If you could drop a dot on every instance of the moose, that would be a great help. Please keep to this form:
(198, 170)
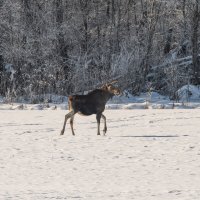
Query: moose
(92, 103)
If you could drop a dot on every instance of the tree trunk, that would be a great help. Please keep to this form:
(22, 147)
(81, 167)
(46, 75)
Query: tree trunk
(195, 60)
(168, 41)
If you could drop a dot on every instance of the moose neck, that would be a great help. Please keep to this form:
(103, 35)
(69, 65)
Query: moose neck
(107, 95)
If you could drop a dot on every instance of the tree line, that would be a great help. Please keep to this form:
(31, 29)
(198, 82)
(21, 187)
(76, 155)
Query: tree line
(68, 46)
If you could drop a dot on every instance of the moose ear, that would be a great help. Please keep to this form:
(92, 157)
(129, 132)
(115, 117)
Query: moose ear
(104, 86)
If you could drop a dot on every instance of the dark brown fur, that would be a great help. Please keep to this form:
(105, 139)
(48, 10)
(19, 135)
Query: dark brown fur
(92, 103)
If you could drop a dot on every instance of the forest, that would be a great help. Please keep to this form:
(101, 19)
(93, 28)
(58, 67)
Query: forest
(64, 47)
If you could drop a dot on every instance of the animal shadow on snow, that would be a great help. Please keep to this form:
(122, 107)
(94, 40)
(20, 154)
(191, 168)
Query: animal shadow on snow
(149, 136)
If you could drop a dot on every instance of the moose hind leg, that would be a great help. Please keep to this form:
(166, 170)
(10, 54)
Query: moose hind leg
(67, 116)
(71, 124)
(98, 117)
(105, 126)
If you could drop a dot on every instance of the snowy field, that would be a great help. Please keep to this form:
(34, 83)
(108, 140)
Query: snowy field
(146, 155)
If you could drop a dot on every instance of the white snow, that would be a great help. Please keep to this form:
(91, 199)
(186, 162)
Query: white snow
(189, 93)
(189, 97)
(144, 101)
(9, 68)
(146, 155)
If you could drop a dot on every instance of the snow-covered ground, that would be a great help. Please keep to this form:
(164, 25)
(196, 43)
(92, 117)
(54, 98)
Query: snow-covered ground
(147, 155)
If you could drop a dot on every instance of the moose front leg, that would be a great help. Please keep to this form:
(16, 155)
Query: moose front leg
(98, 117)
(71, 124)
(67, 116)
(105, 126)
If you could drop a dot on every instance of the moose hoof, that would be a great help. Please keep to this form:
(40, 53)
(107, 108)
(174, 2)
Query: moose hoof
(62, 132)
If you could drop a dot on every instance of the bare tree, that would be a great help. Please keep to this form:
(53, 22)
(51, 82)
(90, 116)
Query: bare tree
(194, 39)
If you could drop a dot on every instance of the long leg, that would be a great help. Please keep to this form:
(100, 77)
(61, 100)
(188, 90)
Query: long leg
(71, 124)
(98, 117)
(67, 116)
(105, 126)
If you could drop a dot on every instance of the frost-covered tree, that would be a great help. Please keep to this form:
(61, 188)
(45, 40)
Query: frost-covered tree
(65, 46)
